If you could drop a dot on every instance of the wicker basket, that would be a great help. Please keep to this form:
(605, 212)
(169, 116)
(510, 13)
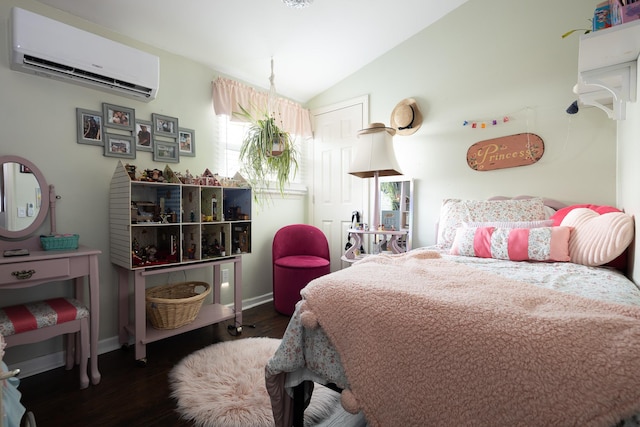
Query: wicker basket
(59, 242)
(176, 305)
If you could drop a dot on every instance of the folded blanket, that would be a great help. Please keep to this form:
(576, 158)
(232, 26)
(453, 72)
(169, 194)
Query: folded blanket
(424, 341)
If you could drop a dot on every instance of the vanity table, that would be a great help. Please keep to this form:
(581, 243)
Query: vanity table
(42, 267)
(27, 200)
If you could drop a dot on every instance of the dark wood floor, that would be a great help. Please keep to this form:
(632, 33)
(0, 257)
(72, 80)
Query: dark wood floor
(129, 395)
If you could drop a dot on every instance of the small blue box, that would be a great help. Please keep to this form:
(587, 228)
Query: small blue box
(602, 16)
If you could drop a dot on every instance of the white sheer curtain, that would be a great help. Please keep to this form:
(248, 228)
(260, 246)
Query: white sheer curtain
(228, 94)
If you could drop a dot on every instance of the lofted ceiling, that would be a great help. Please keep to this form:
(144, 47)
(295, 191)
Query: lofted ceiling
(312, 48)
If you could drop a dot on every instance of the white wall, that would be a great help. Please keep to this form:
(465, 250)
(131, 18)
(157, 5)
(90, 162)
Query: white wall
(38, 122)
(488, 59)
(628, 175)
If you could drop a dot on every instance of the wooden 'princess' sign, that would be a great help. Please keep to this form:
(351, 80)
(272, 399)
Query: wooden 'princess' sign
(505, 152)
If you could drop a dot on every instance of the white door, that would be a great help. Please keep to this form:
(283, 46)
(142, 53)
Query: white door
(335, 193)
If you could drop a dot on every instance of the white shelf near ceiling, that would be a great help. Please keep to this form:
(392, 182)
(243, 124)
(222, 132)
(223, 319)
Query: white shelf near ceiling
(607, 64)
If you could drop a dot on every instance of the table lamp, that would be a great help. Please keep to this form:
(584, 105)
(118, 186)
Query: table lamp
(374, 157)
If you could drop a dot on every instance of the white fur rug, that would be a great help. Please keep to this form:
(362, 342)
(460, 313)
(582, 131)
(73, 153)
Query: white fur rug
(222, 385)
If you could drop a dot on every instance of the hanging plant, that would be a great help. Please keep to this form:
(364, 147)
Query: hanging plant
(267, 152)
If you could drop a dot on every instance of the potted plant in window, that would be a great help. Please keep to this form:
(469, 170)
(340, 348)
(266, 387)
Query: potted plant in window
(267, 152)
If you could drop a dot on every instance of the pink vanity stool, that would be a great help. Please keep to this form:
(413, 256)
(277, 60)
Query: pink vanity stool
(41, 320)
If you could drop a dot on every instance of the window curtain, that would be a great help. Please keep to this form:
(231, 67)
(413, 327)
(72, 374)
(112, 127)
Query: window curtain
(228, 94)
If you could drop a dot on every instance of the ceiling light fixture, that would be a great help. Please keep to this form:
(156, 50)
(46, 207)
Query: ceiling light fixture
(297, 4)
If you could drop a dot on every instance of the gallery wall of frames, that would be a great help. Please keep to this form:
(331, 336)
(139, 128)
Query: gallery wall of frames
(122, 134)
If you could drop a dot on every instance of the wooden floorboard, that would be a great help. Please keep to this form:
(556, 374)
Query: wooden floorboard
(130, 395)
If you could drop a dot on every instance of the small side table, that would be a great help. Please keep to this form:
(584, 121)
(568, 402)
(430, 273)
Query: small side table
(390, 236)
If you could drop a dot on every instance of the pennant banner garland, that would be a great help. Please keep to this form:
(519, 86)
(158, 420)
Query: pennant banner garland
(482, 124)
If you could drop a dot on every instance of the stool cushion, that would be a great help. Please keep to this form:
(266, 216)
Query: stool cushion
(302, 261)
(40, 314)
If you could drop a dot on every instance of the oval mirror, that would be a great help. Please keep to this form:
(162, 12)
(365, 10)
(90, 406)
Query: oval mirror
(24, 197)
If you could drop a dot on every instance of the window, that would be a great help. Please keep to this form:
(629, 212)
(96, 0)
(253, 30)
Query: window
(227, 150)
(227, 145)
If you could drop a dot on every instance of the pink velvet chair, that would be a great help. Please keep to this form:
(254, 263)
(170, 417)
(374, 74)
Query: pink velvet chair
(300, 254)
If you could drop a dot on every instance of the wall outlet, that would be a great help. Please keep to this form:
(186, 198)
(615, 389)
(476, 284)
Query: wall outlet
(22, 212)
(225, 275)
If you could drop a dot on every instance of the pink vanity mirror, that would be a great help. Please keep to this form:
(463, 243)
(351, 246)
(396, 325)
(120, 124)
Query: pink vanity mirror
(25, 198)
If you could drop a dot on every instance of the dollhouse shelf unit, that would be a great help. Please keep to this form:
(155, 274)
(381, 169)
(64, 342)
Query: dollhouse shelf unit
(607, 68)
(163, 228)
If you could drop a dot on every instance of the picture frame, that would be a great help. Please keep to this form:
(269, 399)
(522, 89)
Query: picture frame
(164, 125)
(118, 117)
(187, 142)
(89, 127)
(142, 134)
(167, 152)
(116, 145)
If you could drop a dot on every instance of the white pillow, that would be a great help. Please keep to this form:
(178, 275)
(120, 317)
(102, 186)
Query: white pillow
(454, 212)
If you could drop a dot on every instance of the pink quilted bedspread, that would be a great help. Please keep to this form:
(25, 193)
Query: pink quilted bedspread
(424, 341)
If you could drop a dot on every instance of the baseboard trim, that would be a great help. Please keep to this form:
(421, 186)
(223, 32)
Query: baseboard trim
(48, 362)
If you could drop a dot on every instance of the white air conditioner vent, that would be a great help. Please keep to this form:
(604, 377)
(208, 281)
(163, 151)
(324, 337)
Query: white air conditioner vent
(49, 48)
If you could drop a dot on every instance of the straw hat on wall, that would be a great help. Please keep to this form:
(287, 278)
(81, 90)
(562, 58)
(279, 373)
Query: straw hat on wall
(406, 117)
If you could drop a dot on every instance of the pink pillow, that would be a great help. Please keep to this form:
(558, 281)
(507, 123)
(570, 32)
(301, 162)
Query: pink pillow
(516, 244)
(621, 261)
(561, 213)
(598, 239)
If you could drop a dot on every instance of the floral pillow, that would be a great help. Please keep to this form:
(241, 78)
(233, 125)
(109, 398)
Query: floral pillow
(454, 212)
(510, 224)
(515, 244)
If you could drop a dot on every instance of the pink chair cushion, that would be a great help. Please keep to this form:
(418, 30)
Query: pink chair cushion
(40, 314)
(302, 261)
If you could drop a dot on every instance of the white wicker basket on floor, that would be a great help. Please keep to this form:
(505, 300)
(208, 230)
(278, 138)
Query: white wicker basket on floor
(175, 305)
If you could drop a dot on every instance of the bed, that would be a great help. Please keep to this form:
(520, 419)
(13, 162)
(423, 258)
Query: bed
(519, 316)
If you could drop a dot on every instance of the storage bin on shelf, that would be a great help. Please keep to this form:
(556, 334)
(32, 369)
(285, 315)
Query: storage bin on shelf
(175, 305)
(59, 242)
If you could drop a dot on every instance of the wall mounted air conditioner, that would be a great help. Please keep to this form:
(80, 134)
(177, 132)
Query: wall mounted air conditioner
(48, 48)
